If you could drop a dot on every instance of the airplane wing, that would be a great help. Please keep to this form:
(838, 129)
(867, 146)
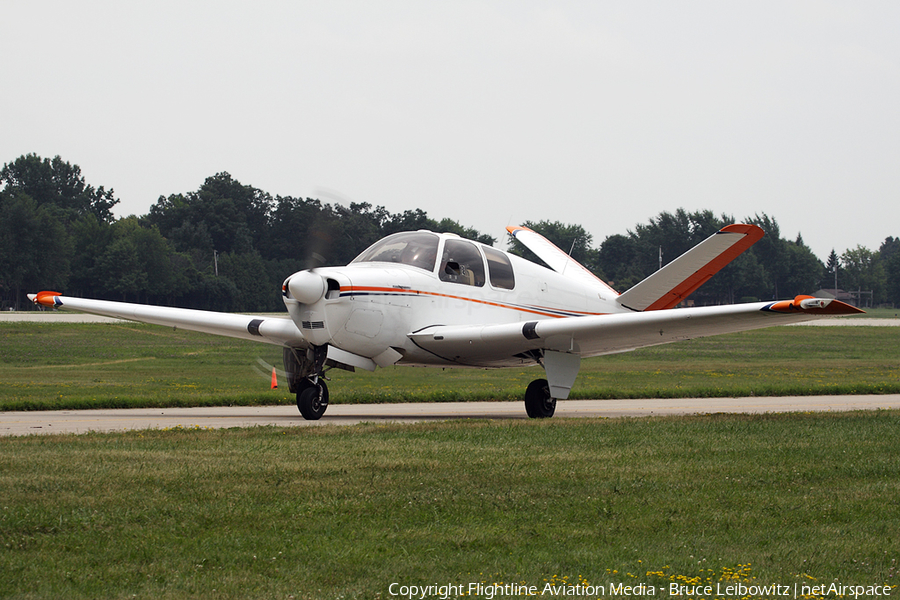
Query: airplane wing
(280, 331)
(609, 334)
(558, 260)
(681, 277)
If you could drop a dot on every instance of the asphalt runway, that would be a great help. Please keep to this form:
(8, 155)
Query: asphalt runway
(82, 421)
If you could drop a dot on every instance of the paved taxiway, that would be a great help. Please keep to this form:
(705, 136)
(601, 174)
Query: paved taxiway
(81, 421)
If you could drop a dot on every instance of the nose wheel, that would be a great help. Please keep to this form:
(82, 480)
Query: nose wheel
(312, 399)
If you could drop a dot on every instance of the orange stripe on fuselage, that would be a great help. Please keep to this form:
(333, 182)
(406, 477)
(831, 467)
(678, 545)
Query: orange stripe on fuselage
(536, 310)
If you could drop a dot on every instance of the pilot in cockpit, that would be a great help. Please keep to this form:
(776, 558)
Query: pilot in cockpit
(454, 272)
(421, 256)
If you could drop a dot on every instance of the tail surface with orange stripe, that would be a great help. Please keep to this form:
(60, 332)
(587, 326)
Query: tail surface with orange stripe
(680, 278)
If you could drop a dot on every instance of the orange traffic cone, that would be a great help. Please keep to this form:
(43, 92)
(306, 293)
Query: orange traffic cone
(274, 379)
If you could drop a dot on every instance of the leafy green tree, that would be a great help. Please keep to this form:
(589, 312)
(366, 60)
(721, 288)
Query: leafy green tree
(65, 212)
(408, 220)
(223, 215)
(626, 260)
(252, 285)
(168, 254)
(889, 248)
(790, 268)
(156, 256)
(829, 275)
(214, 293)
(307, 233)
(863, 272)
(617, 260)
(34, 248)
(59, 184)
(804, 270)
(448, 225)
(135, 263)
(292, 219)
(772, 255)
(742, 280)
(890, 257)
(90, 239)
(672, 234)
(121, 268)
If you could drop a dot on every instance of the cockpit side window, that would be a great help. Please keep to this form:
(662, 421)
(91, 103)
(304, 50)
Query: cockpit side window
(417, 249)
(462, 263)
(500, 269)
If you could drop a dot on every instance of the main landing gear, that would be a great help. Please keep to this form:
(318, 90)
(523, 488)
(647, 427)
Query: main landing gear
(538, 403)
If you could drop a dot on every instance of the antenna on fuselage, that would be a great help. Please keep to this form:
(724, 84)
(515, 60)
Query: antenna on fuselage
(572, 249)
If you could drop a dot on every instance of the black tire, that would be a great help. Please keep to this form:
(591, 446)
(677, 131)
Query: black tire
(538, 403)
(312, 400)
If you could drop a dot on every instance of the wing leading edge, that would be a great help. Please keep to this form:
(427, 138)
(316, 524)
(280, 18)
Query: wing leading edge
(272, 330)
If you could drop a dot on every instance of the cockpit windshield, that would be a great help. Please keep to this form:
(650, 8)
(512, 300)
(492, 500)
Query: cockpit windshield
(417, 249)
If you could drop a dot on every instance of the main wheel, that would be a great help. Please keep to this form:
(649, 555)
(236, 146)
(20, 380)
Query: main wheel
(312, 400)
(538, 403)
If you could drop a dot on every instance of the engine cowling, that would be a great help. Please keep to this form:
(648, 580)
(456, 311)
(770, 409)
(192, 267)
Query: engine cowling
(313, 299)
(306, 287)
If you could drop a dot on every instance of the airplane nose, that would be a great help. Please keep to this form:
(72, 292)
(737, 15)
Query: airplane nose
(306, 287)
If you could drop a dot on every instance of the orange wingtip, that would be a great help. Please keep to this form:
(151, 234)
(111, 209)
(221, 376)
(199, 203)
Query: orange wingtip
(821, 306)
(46, 298)
(512, 229)
(754, 232)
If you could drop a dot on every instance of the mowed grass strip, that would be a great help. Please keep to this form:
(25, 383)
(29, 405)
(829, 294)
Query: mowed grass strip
(343, 512)
(67, 366)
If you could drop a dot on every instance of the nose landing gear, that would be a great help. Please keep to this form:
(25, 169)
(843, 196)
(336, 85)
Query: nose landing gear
(306, 378)
(312, 399)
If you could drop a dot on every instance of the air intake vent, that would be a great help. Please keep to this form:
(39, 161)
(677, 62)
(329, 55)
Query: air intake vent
(313, 324)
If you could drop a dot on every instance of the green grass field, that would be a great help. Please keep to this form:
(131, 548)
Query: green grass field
(344, 512)
(55, 366)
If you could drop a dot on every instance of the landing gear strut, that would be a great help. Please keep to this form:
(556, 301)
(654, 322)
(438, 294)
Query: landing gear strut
(538, 403)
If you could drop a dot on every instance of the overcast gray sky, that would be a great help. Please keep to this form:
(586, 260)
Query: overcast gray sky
(490, 113)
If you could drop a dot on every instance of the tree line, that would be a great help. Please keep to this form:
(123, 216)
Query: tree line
(773, 268)
(228, 246)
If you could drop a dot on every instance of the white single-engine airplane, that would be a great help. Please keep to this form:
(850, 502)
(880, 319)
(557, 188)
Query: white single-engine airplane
(423, 298)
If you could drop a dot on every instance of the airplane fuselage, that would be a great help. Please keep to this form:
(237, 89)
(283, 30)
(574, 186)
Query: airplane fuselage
(372, 306)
